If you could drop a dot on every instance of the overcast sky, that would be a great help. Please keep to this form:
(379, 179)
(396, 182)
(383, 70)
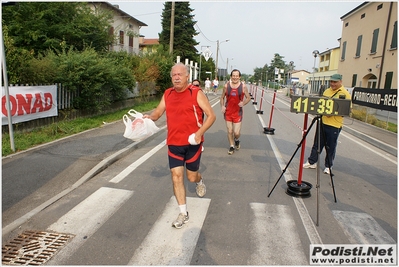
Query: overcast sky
(255, 30)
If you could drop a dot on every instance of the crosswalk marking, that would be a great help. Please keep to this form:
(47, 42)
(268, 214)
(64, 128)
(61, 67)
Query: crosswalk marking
(275, 237)
(87, 217)
(165, 245)
(137, 163)
(361, 228)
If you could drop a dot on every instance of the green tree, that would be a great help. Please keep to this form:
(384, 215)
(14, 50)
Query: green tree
(164, 61)
(38, 26)
(16, 58)
(184, 32)
(267, 72)
(207, 66)
(98, 80)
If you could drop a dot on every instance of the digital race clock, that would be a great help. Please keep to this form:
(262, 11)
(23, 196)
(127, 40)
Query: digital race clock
(320, 105)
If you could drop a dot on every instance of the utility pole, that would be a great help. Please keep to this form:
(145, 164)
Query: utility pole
(227, 67)
(217, 57)
(172, 28)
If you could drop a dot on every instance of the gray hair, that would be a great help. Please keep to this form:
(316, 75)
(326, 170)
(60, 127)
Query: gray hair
(181, 64)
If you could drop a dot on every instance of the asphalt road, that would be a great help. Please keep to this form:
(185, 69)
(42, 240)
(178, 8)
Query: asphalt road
(115, 197)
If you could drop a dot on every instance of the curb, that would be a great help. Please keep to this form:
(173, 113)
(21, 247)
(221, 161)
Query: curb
(377, 143)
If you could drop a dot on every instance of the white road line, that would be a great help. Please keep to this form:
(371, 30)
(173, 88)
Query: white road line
(275, 237)
(87, 217)
(361, 228)
(122, 175)
(307, 221)
(165, 245)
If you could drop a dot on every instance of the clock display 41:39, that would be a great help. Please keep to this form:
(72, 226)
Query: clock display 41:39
(314, 106)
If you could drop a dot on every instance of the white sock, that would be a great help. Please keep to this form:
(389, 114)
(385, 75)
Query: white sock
(183, 209)
(200, 182)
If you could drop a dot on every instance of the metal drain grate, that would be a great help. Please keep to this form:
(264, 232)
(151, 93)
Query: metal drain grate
(33, 248)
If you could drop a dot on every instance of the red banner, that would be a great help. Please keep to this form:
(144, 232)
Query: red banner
(29, 103)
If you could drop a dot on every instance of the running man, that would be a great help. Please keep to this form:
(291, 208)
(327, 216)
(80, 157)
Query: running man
(234, 92)
(184, 105)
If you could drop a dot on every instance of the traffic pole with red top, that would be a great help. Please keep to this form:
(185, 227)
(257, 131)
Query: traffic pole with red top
(270, 130)
(260, 107)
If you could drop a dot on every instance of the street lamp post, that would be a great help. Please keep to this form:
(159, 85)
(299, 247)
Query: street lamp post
(315, 54)
(290, 75)
(217, 55)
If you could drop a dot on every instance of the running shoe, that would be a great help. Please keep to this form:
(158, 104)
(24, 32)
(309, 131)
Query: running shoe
(181, 219)
(237, 144)
(327, 170)
(231, 150)
(200, 189)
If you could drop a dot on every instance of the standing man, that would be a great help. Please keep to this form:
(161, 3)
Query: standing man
(215, 85)
(184, 106)
(207, 86)
(330, 127)
(234, 92)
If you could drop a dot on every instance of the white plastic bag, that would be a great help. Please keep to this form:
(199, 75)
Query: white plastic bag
(139, 128)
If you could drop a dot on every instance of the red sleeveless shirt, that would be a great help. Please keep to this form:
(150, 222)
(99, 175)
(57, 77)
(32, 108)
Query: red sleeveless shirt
(180, 115)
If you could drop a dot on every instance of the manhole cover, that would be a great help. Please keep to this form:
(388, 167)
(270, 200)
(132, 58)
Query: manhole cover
(33, 248)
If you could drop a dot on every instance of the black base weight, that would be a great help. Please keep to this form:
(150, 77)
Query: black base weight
(298, 190)
(268, 130)
(259, 112)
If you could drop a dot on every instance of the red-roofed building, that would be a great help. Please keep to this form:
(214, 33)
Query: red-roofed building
(148, 45)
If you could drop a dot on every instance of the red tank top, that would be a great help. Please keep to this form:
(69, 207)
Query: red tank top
(180, 116)
(233, 97)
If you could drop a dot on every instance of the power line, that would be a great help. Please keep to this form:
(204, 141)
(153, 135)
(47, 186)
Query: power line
(196, 24)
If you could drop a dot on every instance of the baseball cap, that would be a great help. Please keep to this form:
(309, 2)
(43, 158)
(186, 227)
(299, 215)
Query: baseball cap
(336, 77)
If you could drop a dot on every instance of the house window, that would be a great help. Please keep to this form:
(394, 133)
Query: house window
(354, 79)
(379, 7)
(347, 24)
(111, 33)
(130, 41)
(343, 51)
(394, 42)
(375, 41)
(359, 45)
(121, 37)
(388, 80)
(363, 16)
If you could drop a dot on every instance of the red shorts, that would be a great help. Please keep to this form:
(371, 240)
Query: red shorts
(233, 118)
(189, 154)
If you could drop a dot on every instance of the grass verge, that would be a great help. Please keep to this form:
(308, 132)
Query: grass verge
(361, 115)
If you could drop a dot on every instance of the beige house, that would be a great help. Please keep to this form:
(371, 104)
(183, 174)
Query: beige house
(368, 56)
(125, 28)
(299, 76)
(328, 65)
